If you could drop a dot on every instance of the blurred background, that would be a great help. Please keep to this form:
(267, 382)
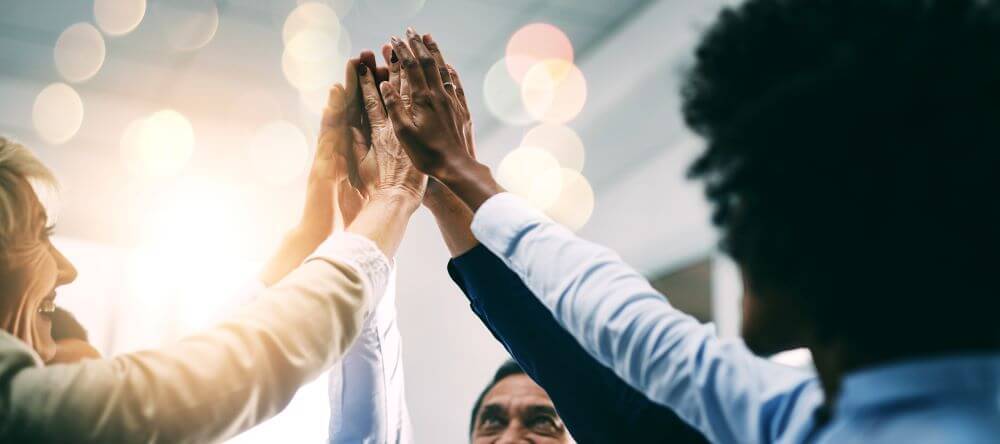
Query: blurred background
(182, 131)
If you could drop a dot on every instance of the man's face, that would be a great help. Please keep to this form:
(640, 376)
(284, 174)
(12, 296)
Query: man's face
(516, 410)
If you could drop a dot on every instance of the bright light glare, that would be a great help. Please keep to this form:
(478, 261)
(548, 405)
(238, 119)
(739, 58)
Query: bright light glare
(187, 24)
(158, 146)
(311, 16)
(575, 202)
(554, 91)
(561, 141)
(535, 43)
(278, 152)
(57, 113)
(503, 96)
(520, 169)
(79, 52)
(192, 251)
(314, 59)
(119, 17)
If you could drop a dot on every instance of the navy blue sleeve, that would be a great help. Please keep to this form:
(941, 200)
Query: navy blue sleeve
(596, 405)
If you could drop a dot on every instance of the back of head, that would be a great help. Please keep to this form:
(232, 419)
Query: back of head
(853, 163)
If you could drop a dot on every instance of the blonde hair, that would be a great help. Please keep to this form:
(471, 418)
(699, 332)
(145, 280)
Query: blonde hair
(18, 164)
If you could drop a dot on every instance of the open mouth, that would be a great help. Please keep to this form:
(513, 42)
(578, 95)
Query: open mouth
(48, 306)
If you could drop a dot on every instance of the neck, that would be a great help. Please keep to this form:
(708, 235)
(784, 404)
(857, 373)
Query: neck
(830, 369)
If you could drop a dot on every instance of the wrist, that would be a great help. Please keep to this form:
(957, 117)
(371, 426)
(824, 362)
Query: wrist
(395, 198)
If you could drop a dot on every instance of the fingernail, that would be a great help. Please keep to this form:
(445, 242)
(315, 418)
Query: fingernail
(429, 38)
(395, 40)
(411, 32)
(362, 69)
(394, 59)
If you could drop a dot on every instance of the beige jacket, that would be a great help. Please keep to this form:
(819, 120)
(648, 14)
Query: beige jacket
(206, 387)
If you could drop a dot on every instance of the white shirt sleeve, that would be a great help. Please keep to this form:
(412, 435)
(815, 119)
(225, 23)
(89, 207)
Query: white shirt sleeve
(367, 397)
(716, 385)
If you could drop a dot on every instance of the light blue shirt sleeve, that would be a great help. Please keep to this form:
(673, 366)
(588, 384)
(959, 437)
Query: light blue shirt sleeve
(716, 385)
(367, 399)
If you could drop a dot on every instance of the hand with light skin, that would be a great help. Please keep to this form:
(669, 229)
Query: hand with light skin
(381, 170)
(331, 203)
(435, 129)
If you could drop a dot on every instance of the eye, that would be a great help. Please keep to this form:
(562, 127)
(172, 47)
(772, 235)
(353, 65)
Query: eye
(546, 425)
(47, 232)
(491, 424)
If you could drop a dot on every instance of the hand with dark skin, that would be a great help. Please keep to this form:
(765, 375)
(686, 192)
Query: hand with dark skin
(436, 129)
(452, 215)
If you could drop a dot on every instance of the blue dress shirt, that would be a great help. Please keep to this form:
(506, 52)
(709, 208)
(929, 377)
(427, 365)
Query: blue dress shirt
(718, 385)
(596, 405)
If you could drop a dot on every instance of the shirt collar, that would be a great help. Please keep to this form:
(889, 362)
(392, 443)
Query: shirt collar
(926, 378)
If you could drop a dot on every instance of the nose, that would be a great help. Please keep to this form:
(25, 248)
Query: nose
(513, 435)
(66, 270)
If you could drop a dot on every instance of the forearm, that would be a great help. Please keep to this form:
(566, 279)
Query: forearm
(295, 247)
(628, 326)
(208, 386)
(470, 180)
(383, 220)
(454, 220)
(367, 397)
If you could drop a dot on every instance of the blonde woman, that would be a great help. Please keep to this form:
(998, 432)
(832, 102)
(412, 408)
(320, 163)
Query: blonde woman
(212, 385)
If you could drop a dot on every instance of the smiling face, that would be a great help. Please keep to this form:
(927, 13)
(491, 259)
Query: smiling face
(516, 410)
(30, 270)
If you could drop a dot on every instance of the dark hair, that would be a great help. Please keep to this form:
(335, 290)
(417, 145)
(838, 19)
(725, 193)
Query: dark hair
(65, 326)
(508, 368)
(852, 162)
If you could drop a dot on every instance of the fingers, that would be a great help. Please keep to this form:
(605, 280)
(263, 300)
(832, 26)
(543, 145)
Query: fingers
(459, 90)
(409, 66)
(333, 126)
(370, 95)
(401, 122)
(393, 63)
(435, 51)
(353, 92)
(427, 64)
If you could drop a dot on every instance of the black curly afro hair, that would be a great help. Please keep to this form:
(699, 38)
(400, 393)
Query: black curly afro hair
(852, 161)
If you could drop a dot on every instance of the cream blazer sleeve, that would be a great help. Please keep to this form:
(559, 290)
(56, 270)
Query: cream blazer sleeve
(209, 386)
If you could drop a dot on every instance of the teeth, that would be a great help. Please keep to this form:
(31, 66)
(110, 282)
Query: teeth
(48, 306)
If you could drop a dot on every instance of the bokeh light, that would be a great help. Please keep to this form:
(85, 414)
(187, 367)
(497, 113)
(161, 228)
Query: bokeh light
(57, 113)
(187, 24)
(255, 107)
(522, 172)
(278, 152)
(311, 16)
(314, 59)
(575, 202)
(535, 43)
(503, 96)
(554, 91)
(119, 17)
(79, 52)
(341, 7)
(158, 146)
(561, 141)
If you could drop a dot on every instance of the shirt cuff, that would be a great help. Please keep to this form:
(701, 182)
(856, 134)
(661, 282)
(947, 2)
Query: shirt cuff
(360, 253)
(502, 219)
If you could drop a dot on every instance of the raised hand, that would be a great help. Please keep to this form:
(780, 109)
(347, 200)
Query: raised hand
(385, 168)
(330, 201)
(435, 126)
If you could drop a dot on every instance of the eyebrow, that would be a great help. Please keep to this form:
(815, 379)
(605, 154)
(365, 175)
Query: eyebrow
(492, 410)
(541, 410)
